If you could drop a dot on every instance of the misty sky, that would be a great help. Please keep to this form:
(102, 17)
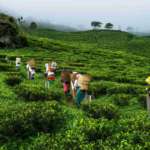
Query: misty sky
(135, 13)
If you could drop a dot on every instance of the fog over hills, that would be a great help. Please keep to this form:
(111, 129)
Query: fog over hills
(78, 14)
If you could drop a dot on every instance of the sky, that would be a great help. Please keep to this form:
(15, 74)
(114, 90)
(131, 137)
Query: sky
(79, 13)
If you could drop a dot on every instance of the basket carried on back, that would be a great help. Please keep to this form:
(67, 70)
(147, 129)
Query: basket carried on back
(65, 76)
(83, 82)
(18, 60)
(32, 63)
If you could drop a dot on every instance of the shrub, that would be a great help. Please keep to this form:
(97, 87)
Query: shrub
(142, 100)
(29, 119)
(107, 87)
(5, 67)
(13, 80)
(69, 139)
(100, 129)
(32, 92)
(121, 99)
(96, 110)
(100, 88)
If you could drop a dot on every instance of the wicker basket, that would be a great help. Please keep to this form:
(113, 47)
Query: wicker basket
(18, 60)
(83, 82)
(32, 63)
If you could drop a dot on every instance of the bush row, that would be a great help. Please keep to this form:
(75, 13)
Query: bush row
(99, 134)
(29, 119)
(5, 67)
(97, 110)
(13, 79)
(121, 99)
(104, 87)
(33, 92)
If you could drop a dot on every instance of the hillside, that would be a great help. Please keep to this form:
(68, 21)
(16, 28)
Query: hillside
(114, 40)
(10, 35)
(32, 117)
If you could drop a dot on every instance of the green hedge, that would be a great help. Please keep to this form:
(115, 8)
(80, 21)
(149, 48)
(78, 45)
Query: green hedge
(109, 88)
(13, 80)
(121, 99)
(33, 92)
(142, 100)
(29, 119)
(6, 67)
(97, 110)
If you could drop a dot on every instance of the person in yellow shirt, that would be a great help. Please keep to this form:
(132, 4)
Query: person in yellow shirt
(148, 93)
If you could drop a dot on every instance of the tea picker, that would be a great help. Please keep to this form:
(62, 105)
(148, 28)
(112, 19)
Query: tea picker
(65, 79)
(54, 66)
(83, 82)
(18, 62)
(31, 69)
(74, 83)
(148, 94)
(49, 74)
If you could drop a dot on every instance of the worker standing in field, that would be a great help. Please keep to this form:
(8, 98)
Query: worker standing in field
(83, 83)
(18, 62)
(65, 79)
(31, 69)
(50, 75)
(54, 66)
(74, 83)
(148, 94)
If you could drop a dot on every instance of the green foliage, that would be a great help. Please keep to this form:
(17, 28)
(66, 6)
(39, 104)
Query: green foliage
(121, 99)
(142, 100)
(33, 92)
(19, 121)
(48, 44)
(97, 110)
(5, 67)
(105, 87)
(118, 70)
(13, 80)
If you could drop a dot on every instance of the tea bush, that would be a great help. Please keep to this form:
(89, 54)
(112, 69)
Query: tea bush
(99, 88)
(107, 87)
(121, 99)
(97, 110)
(125, 88)
(13, 80)
(29, 119)
(31, 92)
(142, 100)
(99, 129)
(5, 67)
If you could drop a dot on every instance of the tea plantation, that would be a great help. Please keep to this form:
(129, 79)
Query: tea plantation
(35, 118)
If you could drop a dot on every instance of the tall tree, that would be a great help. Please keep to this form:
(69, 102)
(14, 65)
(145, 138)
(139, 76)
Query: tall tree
(33, 25)
(96, 24)
(130, 29)
(109, 25)
(20, 20)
